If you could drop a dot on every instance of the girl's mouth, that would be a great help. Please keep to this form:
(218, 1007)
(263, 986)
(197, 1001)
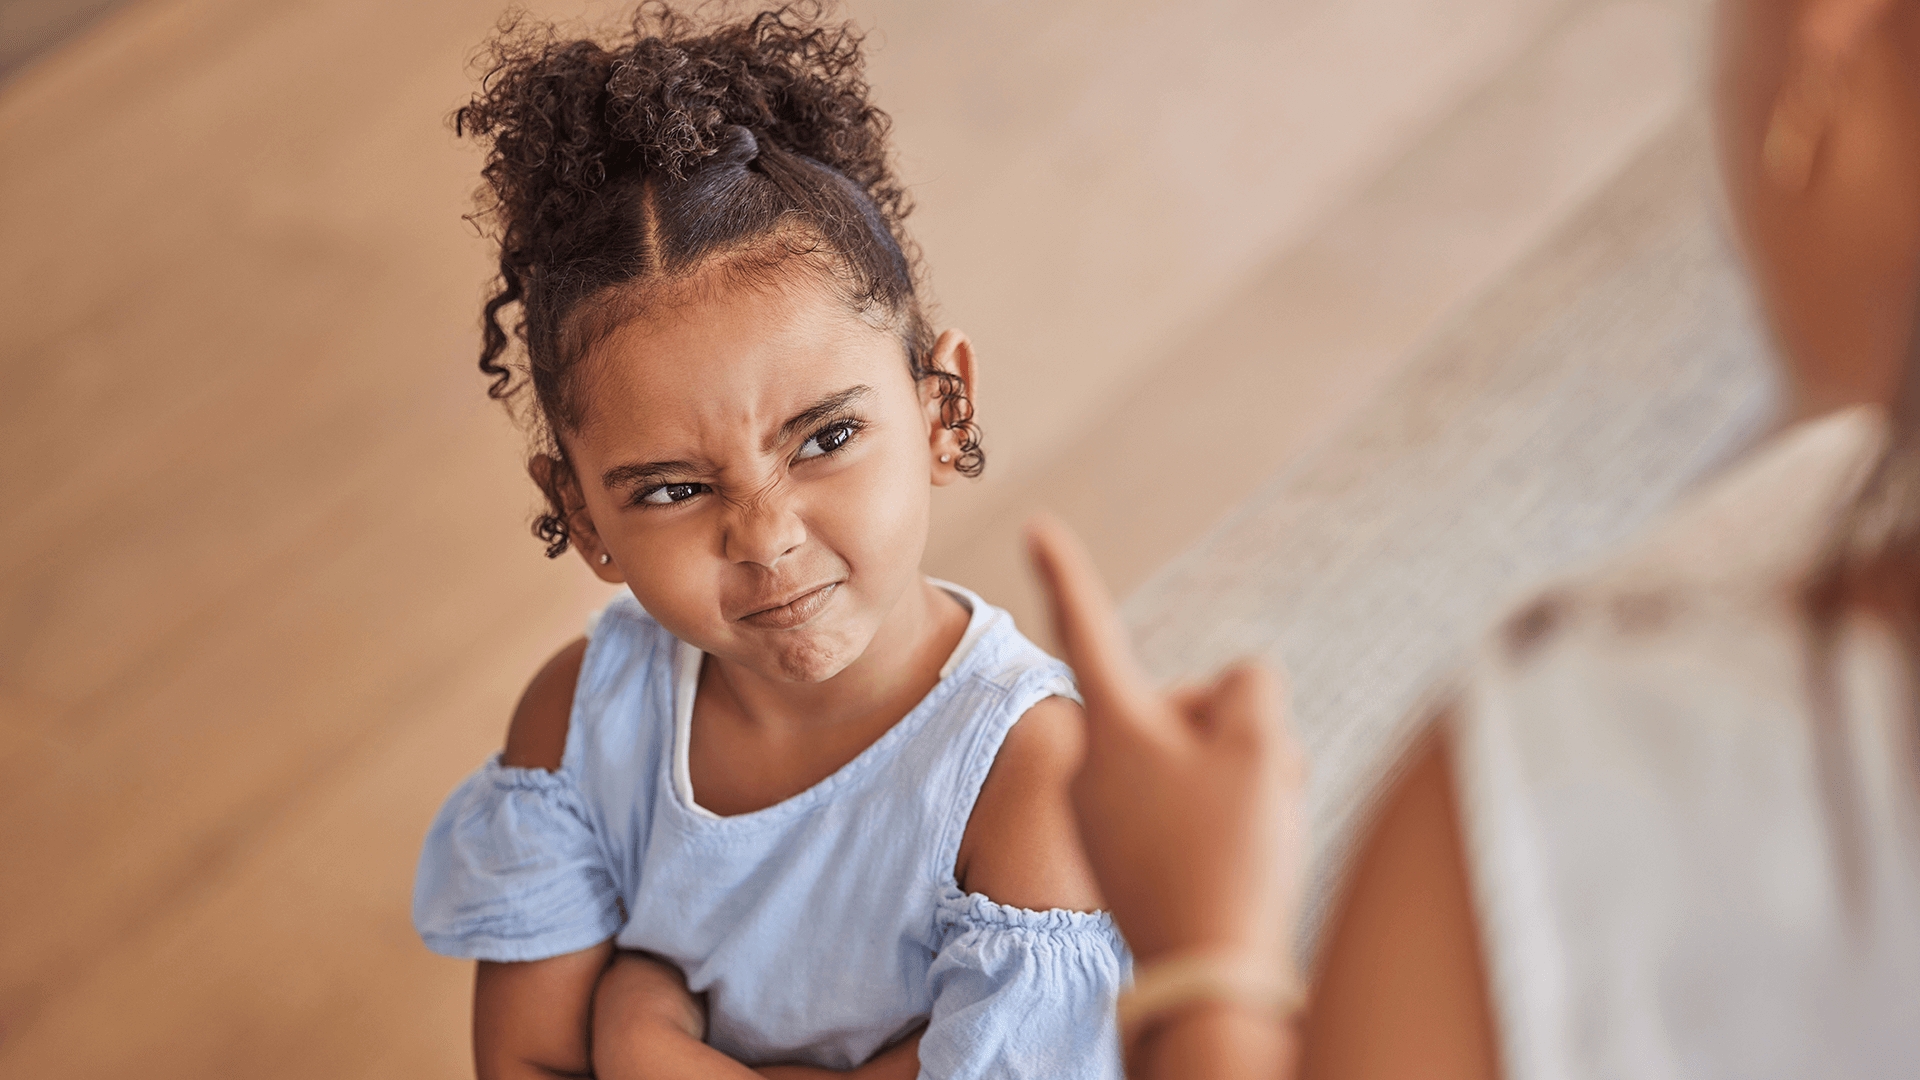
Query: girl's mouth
(794, 612)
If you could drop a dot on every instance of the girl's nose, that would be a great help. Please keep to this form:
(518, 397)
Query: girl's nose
(764, 531)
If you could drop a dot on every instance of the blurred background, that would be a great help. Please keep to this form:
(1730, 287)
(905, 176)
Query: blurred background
(1329, 323)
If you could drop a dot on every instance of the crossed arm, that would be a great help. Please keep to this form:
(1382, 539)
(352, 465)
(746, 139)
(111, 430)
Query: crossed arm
(617, 1015)
(602, 1012)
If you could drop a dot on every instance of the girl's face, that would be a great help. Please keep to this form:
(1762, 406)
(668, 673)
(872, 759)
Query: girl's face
(758, 462)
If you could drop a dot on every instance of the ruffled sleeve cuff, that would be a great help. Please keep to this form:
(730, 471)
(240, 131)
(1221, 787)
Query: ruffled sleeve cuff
(511, 870)
(1019, 993)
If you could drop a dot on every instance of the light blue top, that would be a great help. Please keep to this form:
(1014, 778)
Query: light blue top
(821, 928)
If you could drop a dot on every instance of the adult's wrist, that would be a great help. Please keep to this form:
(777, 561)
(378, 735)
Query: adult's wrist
(1218, 1040)
(1171, 986)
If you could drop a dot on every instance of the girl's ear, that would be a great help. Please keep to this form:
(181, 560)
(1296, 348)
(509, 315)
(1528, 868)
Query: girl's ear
(562, 489)
(952, 355)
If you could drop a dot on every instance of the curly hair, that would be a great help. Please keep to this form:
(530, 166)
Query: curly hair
(616, 166)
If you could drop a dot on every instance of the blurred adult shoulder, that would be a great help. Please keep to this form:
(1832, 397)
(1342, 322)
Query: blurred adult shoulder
(1547, 809)
(1674, 835)
(1749, 535)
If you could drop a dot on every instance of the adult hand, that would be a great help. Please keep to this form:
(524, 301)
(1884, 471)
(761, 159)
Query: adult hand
(1188, 802)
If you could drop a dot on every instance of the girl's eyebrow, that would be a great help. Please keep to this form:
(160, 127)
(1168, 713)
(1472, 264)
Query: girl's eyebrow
(831, 405)
(640, 473)
(646, 472)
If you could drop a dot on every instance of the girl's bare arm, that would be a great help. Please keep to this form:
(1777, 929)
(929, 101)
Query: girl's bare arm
(648, 1026)
(1022, 846)
(545, 1019)
(531, 1020)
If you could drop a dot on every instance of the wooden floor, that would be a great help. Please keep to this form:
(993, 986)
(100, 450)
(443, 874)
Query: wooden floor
(30, 29)
(266, 590)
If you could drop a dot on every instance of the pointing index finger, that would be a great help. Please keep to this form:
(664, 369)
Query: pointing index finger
(1083, 616)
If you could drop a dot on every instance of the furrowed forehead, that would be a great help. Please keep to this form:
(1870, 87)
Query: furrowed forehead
(791, 267)
(732, 367)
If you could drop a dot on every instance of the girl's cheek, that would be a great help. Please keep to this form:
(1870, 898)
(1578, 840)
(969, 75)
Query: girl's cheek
(881, 508)
(675, 575)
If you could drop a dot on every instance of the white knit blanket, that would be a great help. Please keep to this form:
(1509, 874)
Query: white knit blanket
(1615, 366)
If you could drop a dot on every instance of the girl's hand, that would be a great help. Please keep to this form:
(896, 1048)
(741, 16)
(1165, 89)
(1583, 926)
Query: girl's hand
(901, 1061)
(643, 1014)
(646, 1023)
(1188, 802)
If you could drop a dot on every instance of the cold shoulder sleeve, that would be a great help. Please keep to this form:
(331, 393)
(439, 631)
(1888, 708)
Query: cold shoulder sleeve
(512, 870)
(1023, 994)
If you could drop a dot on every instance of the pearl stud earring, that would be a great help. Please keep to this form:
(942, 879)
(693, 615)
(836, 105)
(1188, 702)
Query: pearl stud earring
(944, 458)
(605, 558)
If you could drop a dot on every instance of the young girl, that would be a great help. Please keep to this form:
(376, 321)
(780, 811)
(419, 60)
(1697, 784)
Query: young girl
(790, 806)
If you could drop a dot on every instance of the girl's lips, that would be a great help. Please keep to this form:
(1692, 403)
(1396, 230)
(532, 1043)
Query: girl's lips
(794, 612)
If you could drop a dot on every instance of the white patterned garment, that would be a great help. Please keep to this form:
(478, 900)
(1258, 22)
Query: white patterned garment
(1662, 879)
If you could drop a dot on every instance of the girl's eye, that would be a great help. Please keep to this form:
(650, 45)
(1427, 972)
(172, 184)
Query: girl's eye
(827, 440)
(670, 493)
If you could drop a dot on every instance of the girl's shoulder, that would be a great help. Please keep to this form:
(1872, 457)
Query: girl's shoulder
(994, 652)
(622, 653)
(1011, 835)
(624, 642)
(537, 735)
(1020, 847)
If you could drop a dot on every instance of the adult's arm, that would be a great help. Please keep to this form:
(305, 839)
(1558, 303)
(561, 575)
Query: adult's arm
(1189, 806)
(1402, 990)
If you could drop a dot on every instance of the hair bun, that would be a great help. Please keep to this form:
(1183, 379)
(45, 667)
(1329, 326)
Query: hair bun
(736, 146)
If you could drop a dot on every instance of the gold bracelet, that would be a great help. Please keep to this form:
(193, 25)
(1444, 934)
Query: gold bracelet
(1169, 984)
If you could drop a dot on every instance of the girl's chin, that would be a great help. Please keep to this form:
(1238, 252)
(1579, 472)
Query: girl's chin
(812, 657)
